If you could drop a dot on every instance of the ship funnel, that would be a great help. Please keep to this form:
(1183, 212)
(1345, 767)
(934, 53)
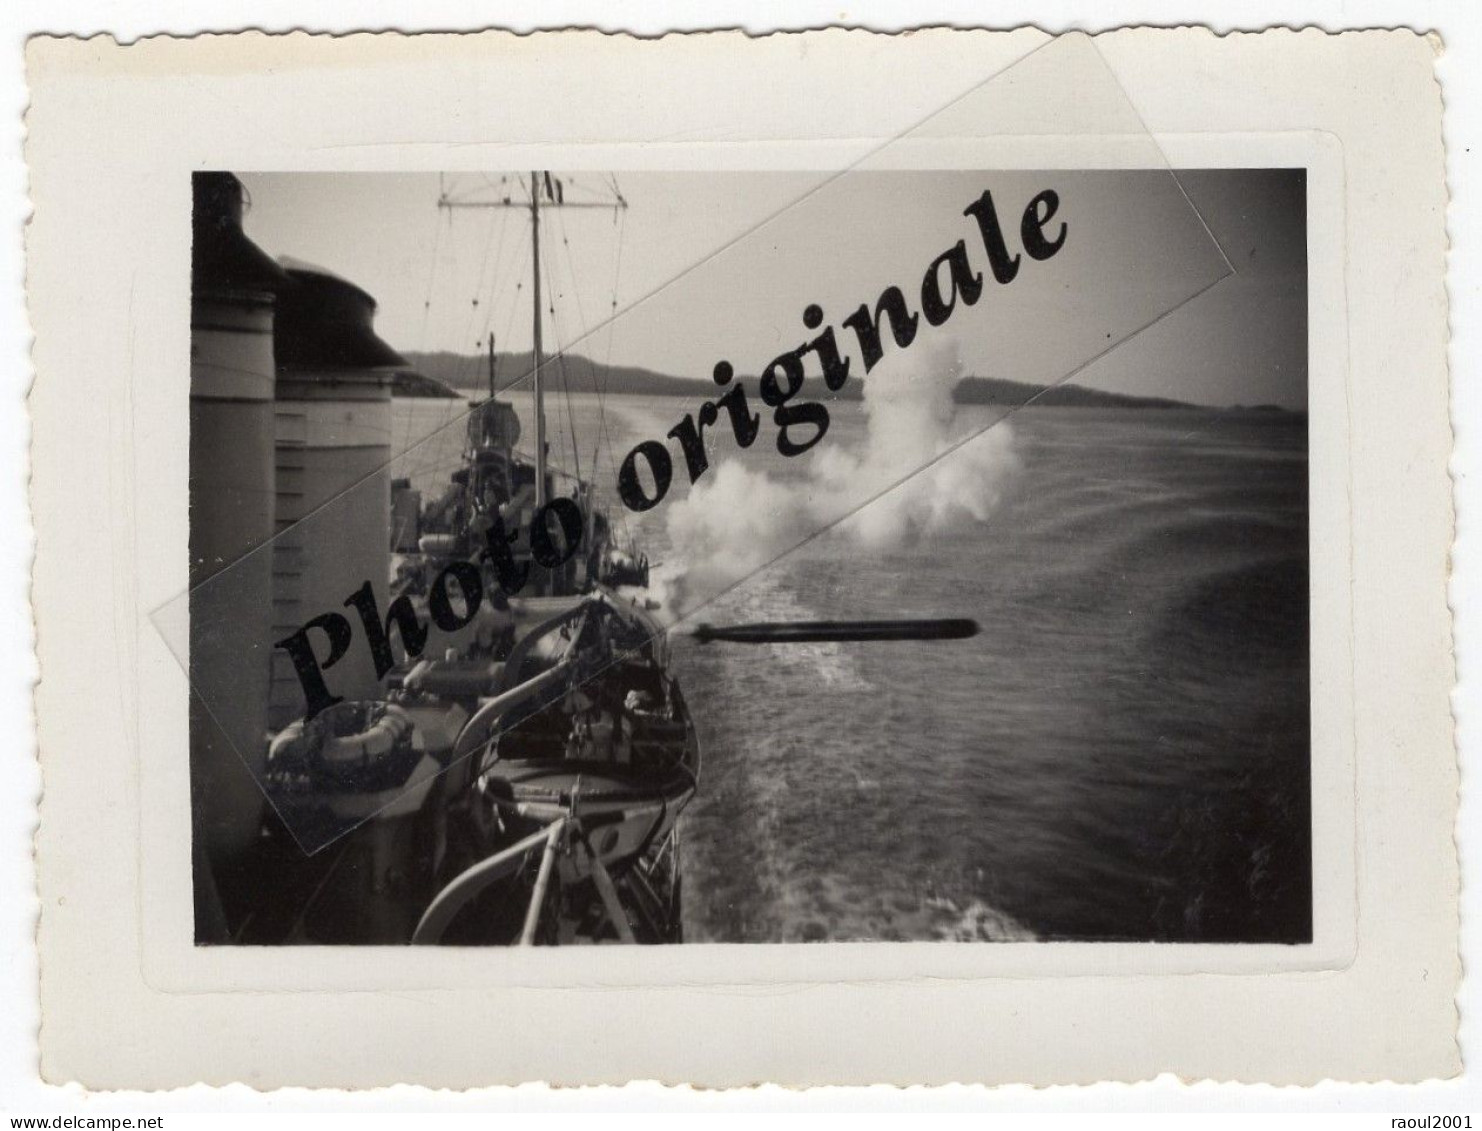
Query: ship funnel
(333, 448)
(231, 513)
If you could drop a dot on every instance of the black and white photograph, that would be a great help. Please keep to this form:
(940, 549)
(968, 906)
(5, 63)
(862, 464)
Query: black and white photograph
(764, 557)
(912, 566)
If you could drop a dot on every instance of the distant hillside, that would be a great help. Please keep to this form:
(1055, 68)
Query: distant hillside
(415, 383)
(573, 372)
(997, 390)
(579, 375)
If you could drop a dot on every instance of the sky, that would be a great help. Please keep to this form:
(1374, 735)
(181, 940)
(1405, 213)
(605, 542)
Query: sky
(705, 266)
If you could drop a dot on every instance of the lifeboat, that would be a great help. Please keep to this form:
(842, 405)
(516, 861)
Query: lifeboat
(576, 772)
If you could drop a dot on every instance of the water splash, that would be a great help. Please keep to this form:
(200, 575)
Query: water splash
(737, 519)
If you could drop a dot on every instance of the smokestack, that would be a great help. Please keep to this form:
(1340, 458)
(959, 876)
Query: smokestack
(231, 513)
(333, 445)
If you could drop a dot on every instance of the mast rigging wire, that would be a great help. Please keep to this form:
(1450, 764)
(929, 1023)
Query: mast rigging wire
(600, 386)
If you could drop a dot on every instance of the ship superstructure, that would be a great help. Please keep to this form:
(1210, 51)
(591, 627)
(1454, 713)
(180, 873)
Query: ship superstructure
(547, 718)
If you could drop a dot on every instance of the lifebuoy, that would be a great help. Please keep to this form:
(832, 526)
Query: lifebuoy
(348, 745)
(381, 738)
(438, 544)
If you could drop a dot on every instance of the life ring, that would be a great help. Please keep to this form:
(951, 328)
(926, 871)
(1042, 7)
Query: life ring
(438, 545)
(385, 734)
(350, 745)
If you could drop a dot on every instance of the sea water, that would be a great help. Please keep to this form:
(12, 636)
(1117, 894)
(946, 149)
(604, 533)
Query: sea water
(1121, 753)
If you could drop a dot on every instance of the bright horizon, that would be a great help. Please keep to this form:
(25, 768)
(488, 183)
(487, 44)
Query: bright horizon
(731, 283)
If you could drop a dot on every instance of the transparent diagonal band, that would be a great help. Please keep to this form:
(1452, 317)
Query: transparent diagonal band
(864, 346)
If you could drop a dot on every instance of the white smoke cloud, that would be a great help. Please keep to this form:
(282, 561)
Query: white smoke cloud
(735, 520)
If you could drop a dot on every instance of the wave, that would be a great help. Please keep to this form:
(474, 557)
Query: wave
(1258, 603)
(976, 921)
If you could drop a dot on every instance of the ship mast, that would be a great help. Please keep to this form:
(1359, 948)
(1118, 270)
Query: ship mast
(555, 198)
(540, 499)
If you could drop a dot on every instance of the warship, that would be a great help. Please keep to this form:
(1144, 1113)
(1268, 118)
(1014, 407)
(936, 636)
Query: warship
(513, 771)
